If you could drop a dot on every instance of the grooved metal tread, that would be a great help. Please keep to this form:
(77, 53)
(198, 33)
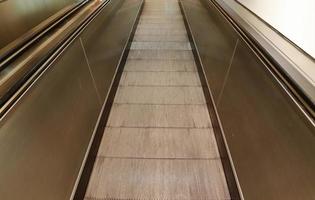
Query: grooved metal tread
(159, 142)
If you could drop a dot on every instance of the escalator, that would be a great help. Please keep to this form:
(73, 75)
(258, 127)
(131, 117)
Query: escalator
(159, 142)
(150, 99)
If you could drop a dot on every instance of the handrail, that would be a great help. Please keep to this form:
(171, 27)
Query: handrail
(20, 74)
(46, 134)
(292, 66)
(15, 47)
(292, 89)
(277, 31)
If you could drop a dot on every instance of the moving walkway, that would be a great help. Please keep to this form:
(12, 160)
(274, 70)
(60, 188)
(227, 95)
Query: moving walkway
(155, 99)
(158, 141)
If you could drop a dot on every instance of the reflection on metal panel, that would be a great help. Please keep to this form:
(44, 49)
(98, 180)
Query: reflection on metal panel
(293, 19)
(271, 141)
(45, 133)
(45, 136)
(267, 134)
(222, 39)
(19, 16)
(100, 60)
(295, 63)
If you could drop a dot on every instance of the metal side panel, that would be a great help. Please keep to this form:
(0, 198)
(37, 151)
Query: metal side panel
(44, 137)
(101, 49)
(211, 45)
(271, 141)
(18, 17)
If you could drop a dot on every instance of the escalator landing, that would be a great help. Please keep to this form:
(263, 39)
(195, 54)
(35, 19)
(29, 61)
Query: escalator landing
(159, 142)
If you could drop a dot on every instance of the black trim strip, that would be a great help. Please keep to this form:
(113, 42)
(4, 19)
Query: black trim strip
(230, 175)
(92, 154)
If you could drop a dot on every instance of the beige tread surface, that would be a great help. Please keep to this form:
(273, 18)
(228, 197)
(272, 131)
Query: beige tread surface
(160, 79)
(160, 54)
(160, 95)
(160, 66)
(159, 116)
(159, 142)
(161, 37)
(147, 143)
(157, 179)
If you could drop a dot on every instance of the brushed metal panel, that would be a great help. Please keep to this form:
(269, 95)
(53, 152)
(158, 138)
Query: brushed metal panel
(215, 40)
(105, 39)
(20, 66)
(271, 142)
(88, 167)
(298, 65)
(44, 137)
(267, 134)
(19, 16)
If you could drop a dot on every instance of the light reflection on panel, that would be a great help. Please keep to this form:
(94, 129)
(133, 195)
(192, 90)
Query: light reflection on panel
(270, 140)
(294, 19)
(45, 136)
(19, 16)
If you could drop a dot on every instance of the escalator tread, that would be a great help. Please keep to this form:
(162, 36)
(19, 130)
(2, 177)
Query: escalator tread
(159, 142)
